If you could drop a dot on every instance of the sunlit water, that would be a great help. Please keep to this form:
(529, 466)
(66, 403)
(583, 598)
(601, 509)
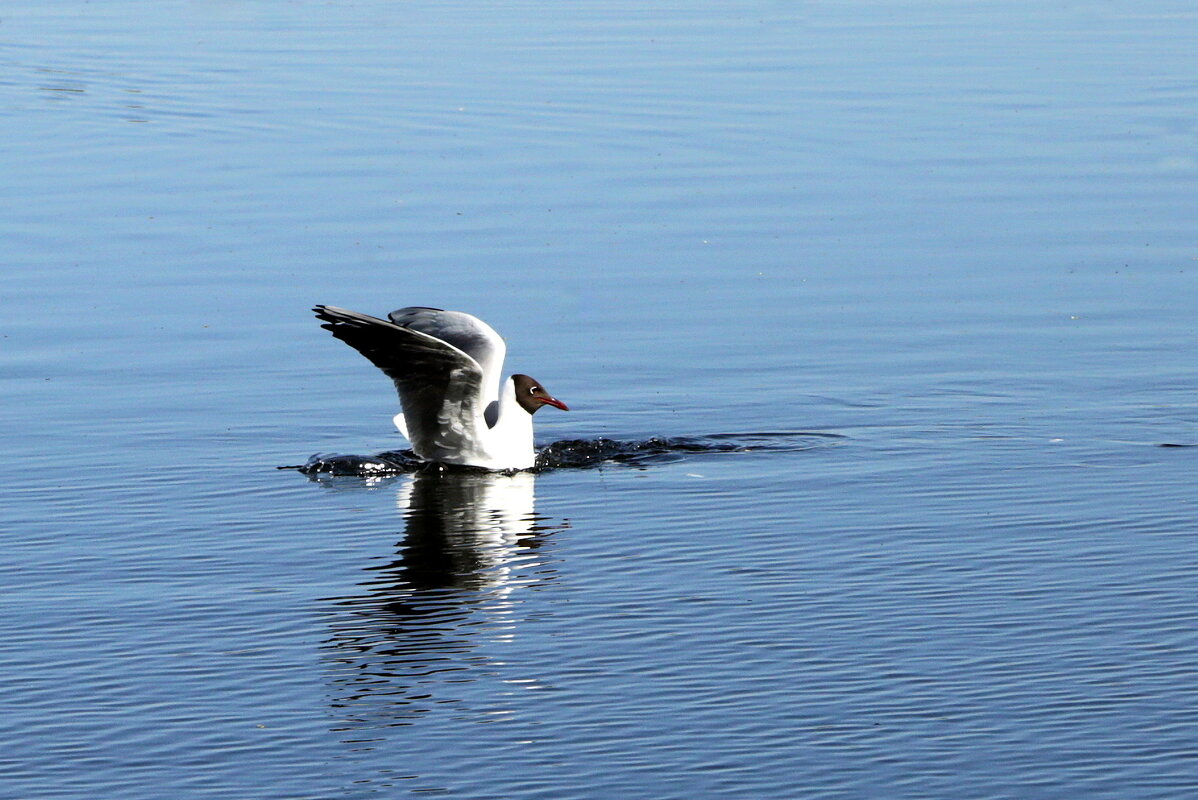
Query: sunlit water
(872, 317)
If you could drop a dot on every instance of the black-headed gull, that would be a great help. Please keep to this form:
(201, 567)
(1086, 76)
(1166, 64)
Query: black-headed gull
(446, 367)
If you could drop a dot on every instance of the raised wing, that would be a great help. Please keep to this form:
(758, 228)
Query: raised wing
(467, 333)
(440, 386)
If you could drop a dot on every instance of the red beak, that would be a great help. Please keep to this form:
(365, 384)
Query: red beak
(553, 401)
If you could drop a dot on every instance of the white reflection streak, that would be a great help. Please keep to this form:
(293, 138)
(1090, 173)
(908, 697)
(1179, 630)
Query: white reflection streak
(489, 513)
(409, 645)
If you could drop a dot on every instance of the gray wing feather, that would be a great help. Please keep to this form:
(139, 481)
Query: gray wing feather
(467, 333)
(440, 386)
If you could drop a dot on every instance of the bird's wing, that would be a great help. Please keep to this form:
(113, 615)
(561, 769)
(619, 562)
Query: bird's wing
(440, 386)
(467, 333)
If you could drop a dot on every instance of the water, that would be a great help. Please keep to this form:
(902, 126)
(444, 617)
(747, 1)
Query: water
(952, 245)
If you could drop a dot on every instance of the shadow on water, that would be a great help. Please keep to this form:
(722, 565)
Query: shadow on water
(583, 453)
(414, 636)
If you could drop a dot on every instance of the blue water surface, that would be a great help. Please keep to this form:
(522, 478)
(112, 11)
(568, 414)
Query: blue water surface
(947, 248)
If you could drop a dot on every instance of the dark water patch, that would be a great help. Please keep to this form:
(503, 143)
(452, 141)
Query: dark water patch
(577, 454)
(587, 453)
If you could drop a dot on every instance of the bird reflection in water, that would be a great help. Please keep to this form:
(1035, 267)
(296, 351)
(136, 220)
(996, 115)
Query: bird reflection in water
(422, 631)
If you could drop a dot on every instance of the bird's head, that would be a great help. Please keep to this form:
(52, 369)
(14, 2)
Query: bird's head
(532, 396)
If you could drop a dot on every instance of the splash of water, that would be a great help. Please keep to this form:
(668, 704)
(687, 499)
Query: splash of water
(581, 453)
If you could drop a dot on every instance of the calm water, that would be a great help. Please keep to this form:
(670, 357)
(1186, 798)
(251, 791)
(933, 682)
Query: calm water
(952, 245)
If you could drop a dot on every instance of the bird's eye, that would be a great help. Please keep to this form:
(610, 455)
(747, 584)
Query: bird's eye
(534, 390)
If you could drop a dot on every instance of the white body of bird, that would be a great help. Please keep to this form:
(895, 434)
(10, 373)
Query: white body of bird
(446, 368)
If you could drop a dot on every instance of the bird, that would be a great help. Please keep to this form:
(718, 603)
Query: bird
(446, 366)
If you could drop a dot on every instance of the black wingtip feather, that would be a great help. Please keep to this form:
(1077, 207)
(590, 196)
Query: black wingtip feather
(322, 313)
(336, 316)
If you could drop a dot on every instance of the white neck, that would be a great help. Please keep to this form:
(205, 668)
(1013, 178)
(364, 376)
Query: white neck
(509, 443)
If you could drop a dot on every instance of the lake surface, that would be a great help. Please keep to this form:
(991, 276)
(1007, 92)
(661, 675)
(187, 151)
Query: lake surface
(949, 249)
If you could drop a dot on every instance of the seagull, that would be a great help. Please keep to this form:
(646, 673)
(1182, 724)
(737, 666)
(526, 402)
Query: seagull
(446, 367)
